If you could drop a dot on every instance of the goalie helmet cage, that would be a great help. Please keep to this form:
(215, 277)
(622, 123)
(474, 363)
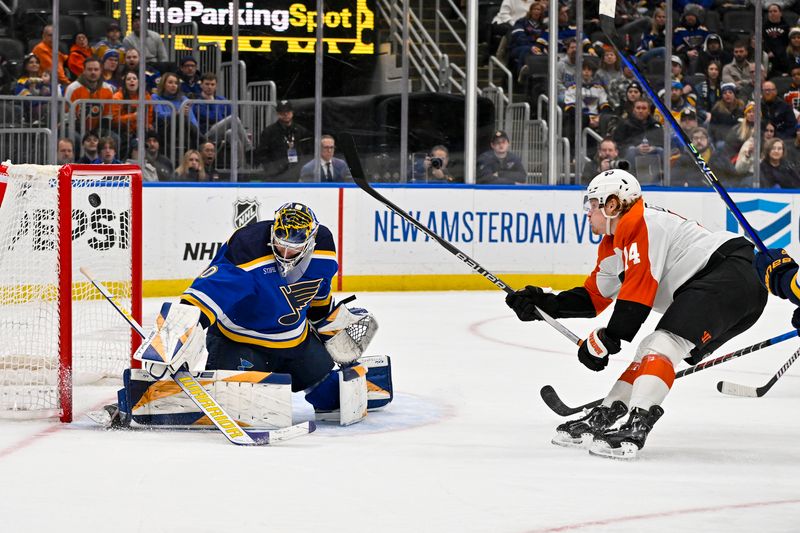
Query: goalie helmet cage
(56, 328)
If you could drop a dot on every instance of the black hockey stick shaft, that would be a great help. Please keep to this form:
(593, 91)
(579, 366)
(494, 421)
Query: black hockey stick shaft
(607, 11)
(551, 398)
(350, 151)
(734, 389)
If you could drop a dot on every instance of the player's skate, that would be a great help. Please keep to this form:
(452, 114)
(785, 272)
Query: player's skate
(626, 441)
(580, 432)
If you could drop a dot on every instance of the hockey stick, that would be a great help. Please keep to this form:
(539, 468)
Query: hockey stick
(734, 389)
(348, 147)
(607, 11)
(203, 400)
(552, 400)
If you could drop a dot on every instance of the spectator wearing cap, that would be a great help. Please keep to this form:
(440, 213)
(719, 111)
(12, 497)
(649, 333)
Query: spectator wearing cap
(713, 50)
(78, 53)
(679, 101)
(791, 55)
(777, 112)
(149, 172)
(738, 70)
(499, 165)
(164, 167)
(90, 150)
(284, 146)
(792, 94)
(112, 41)
(90, 86)
(155, 53)
(709, 90)
(654, 41)
(633, 92)
(44, 53)
(689, 36)
(110, 65)
(190, 79)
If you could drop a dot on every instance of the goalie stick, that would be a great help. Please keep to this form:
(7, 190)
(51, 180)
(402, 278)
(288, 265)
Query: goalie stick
(607, 11)
(550, 396)
(348, 147)
(203, 400)
(734, 389)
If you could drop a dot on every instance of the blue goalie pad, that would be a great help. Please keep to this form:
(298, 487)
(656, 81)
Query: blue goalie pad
(325, 396)
(379, 380)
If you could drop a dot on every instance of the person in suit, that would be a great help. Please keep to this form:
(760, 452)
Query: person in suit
(331, 169)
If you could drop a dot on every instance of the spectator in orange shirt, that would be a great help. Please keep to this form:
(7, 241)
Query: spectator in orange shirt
(89, 85)
(124, 114)
(78, 53)
(44, 51)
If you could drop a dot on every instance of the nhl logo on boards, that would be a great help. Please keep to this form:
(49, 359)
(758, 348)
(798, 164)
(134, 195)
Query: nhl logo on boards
(245, 212)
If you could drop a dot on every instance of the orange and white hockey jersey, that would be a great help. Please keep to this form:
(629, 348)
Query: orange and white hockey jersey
(651, 254)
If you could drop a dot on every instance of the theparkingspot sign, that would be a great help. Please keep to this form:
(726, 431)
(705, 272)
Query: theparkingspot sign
(348, 24)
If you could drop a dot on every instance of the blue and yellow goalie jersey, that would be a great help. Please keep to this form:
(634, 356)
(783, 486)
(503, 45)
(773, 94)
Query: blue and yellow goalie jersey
(246, 299)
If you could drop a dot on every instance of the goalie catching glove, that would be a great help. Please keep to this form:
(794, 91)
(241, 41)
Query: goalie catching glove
(177, 339)
(346, 332)
(594, 351)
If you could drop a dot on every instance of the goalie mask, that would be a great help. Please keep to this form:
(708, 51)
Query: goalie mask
(293, 235)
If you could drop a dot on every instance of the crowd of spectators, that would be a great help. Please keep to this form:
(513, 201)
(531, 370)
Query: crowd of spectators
(710, 89)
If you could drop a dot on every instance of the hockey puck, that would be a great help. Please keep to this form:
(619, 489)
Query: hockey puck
(94, 200)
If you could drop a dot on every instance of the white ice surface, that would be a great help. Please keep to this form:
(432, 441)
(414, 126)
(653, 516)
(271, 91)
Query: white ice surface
(464, 447)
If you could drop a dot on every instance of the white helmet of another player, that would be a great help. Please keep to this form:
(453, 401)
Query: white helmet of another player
(293, 235)
(614, 182)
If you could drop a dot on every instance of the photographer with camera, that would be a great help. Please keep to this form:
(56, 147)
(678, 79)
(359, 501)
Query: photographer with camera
(606, 158)
(434, 167)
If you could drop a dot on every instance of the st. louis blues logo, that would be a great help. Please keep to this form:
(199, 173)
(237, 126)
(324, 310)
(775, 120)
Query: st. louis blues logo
(298, 295)
(245, 212)
(244, 364)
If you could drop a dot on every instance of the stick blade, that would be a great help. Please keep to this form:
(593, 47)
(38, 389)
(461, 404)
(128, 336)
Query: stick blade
(263, 438)
(735, 389)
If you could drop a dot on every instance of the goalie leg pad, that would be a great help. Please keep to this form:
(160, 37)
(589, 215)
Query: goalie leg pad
(253, 399)
(341, 397)
(379, 380)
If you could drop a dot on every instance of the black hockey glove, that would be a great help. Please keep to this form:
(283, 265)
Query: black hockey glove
(525, 301)
(594, 351)
(775, 269)
(796, 319)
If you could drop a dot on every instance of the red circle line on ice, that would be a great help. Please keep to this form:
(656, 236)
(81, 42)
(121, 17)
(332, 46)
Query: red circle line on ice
(664, 514)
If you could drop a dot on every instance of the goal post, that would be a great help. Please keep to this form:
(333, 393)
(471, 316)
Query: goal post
(55, 328)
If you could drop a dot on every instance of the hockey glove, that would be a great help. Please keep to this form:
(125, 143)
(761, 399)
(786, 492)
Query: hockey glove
(525, 301)
(776, 269)
(594, 351)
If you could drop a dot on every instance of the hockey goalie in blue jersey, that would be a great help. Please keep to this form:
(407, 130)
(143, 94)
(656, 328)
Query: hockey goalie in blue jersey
(266, 308)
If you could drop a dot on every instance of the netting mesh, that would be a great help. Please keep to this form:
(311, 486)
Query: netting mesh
(30, 252)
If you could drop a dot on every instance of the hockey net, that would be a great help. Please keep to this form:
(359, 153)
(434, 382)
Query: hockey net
(55, 327)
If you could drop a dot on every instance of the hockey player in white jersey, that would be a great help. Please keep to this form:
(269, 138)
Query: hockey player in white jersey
(649, 258)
